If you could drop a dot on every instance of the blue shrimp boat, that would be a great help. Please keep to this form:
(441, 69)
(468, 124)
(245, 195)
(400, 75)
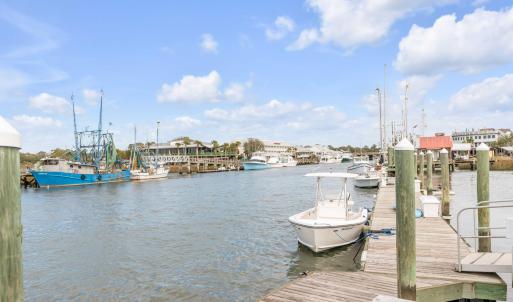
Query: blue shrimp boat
(94, 161)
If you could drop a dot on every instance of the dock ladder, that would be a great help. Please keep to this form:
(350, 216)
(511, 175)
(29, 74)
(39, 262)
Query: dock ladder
(484, 262)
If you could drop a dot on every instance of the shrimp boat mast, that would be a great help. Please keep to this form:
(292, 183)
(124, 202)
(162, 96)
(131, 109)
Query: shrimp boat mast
(94, 160)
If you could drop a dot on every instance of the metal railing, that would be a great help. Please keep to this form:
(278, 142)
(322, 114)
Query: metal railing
(476, 229)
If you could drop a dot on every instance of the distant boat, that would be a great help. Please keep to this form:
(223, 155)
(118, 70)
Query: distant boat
(361, 165)
(369, 180)
(281, 161)
(347, 157)
(94, 161)
(256, 162)
(331, 222)
(141, 170)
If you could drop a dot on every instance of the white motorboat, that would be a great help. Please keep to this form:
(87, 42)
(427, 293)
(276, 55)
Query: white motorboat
(332, 222)
(287, 161)
(361, 165)
(369, 180)
(149, 173)
(257, 162)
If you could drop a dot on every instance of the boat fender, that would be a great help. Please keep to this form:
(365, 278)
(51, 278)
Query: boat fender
(99, 178)
(82, 177)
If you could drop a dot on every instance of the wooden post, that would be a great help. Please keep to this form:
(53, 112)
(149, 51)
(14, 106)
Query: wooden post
(421, 171)
(11, 272)
(391, 160)
(444, 162)
(405, 220)
(483, 194)
(429, 168)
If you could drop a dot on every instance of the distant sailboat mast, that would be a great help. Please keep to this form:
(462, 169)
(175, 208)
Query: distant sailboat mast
(381, 143)
(98, 146)
(385, 106)
(405, 113)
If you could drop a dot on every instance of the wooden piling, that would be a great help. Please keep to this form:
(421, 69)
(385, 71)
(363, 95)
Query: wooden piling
(429, 168)
(391, 160)
(405, 220)
(483, 194)
(11, 273)
(421, 171)
(444, 162)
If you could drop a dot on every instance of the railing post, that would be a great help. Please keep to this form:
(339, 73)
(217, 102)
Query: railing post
(483, 194)
(11, 271)
(405, 220)
(444, 162)
(421, 171)
(429, 168)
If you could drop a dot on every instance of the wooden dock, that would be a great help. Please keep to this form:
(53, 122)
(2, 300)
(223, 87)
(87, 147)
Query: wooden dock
(437, 279)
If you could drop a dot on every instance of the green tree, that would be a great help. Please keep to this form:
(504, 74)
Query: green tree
(253, 145)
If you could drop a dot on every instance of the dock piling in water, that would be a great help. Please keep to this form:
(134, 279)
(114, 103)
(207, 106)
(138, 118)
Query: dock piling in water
(444, 162)
(429, 168)
(405, 220)
(421, 170)
(483, 194)
(11, 273)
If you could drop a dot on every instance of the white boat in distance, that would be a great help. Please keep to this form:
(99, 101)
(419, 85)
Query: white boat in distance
(369, 180)
(149, 173)
(361, 165)
(332, 221)
(282, 161)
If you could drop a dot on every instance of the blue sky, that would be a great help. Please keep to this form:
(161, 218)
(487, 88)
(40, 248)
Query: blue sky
(302, 72)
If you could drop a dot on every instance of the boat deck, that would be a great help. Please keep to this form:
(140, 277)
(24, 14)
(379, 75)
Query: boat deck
(437, 279)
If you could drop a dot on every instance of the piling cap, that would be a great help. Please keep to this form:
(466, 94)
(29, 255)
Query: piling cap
(444, 151)
(9, 137)
(483, 147)
(404, 145)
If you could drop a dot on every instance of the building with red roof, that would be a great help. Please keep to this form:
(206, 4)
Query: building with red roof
(435, 143)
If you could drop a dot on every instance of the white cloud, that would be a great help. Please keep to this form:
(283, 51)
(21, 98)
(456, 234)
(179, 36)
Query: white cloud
(187, 122)
(271, 109)
(192, 89)
(282, 26)
(208, 43)
(350, 23)
(479, 40)
(24, 121)
(91, 96)
(49, 103)
(491, 94)
(235, 91)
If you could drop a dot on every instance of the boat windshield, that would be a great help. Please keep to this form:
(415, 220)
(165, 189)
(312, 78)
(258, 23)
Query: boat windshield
(50, 162)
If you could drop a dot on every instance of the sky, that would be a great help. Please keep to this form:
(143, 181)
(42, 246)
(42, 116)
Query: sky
(300, 72)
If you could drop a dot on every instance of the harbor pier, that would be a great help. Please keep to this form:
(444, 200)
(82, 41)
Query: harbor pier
(436, 275)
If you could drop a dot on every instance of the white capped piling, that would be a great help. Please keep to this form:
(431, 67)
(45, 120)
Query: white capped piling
(11, 272)
(444, 162)
(483, 194)
(429, 168)
(421, 171)
(405, 220)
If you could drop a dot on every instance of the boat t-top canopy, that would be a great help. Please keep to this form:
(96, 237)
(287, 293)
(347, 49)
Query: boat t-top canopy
(332, 175)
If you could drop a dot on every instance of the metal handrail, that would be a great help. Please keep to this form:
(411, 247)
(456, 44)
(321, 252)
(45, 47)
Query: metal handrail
(459, 236)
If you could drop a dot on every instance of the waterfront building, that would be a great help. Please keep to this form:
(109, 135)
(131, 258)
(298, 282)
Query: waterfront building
(179, 147)
(484, 135)
(435, 144)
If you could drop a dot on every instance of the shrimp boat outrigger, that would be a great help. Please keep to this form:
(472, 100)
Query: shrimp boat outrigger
(94, 160)
(332, 222)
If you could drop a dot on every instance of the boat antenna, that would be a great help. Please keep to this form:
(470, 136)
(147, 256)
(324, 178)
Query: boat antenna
(378, 92)
(385, 105)
(77, 147)
(405, 112)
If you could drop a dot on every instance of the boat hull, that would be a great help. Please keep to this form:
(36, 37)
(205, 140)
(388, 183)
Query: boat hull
(320, 239)
(370, 182)
(359, 168)
(60, 179)
(255, 166)
(148, 176)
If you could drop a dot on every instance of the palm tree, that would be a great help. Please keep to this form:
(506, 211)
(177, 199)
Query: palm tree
(186, 142)
(198, 144)
(177, 144)
(215, 146)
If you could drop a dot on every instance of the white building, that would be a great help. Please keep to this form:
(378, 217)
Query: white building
(485, 135)
(273, 148)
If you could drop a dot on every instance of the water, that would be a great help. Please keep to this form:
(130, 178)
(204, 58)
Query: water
(206, 237)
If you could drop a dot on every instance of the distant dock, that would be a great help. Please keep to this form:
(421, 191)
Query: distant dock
(436, 277)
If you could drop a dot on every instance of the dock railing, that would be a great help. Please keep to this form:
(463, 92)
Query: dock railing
(496, 204)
